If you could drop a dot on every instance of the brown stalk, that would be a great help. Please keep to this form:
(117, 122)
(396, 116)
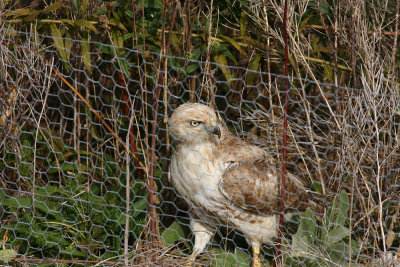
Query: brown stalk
(86, 102)
(65, 261)
(96, 114)
(336, 29)
(128, 110)
(150, 179)
(128, 197)
(285, 124)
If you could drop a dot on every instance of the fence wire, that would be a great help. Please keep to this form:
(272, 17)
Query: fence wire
(76, 129)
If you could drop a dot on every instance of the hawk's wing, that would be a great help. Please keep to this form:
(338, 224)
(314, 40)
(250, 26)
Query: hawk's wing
(250, 186)
(252, 182)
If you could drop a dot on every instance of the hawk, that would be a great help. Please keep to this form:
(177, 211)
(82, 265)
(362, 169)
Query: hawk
(226, 180)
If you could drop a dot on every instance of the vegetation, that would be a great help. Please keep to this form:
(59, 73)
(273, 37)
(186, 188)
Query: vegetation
(329, 244)
(80, 79)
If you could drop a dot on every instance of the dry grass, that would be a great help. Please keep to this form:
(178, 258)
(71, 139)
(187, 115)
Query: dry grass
(359, 133)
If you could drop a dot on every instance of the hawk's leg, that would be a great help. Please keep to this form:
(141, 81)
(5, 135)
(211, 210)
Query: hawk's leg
(202, 235)
(256, 257)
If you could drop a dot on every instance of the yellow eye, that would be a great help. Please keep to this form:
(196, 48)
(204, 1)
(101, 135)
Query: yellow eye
(194, 123)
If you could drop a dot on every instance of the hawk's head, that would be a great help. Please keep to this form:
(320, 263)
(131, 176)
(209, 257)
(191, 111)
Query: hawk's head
(194, 122)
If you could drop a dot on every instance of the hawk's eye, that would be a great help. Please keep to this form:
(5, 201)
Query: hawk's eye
(194, 123)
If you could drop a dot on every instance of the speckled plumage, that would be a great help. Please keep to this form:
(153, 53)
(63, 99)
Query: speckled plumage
(226, 180)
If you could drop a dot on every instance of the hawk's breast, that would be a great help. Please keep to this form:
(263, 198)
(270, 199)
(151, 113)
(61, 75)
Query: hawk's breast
(196, 172)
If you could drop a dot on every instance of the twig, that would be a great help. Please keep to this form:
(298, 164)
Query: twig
(150, 180)
(282, 207)
(35, 146)
(330, 28)
(127, 195)
(89, 106)
(65, 261)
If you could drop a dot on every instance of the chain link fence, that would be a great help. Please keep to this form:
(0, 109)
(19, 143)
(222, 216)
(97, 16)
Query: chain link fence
(79, 185)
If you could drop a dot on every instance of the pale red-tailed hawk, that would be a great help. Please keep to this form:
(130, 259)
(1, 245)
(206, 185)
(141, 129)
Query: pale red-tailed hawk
(226, 180)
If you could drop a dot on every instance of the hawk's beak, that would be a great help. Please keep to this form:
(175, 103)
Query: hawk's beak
(216, 130)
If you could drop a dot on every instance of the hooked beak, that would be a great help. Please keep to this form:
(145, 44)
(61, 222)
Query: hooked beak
(216, 130)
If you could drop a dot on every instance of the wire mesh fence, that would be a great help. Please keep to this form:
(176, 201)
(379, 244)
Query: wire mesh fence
(79, 183)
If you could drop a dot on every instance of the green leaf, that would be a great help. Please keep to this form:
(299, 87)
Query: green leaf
(223, 258)
(76, 4)
(236, 45)
(328, 73)
(330, 215)
(339, 252)
(243, 23)
(343, 208)
(102, 10)
(73, 252)
(19, 202)
(129, 13)
(7, 255)
(221, 60)
(175, 40)
(53, 7)
(354, 248)
(299, 246)
(315, 45)
(303, 24)
(59, 43)
(118, 24)
(18, 12)
(305, 235)
(85, 23)
(324, 7)
(308, 225)
(337, 234)
(50, 190)
(68, 45)
(228, 53)
(68, 167)
(84, 6)
(251, 76)
(69, 21)
(117, 39)
(124, 66)
(2, 195)
(173, 233)
(338, 212)
(127, 36)
(152, 3)
(138, 208)
(243, 258)
(32, 16)
(85, 45)
(191, 68)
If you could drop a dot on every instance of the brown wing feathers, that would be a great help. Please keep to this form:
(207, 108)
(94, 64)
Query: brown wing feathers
(248, 186)
(252, 180)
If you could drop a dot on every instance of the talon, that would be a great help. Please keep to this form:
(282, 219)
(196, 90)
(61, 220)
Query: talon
(192, 258)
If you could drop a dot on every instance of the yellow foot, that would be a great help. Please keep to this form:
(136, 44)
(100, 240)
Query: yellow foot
(192, 259)
(256, 257)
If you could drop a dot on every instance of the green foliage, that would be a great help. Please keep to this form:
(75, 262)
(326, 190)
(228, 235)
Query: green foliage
(63, 221)
(228, 259)
(234, 37)
(327, 244)
(6, 255)
(173, 233)
(64, 217)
